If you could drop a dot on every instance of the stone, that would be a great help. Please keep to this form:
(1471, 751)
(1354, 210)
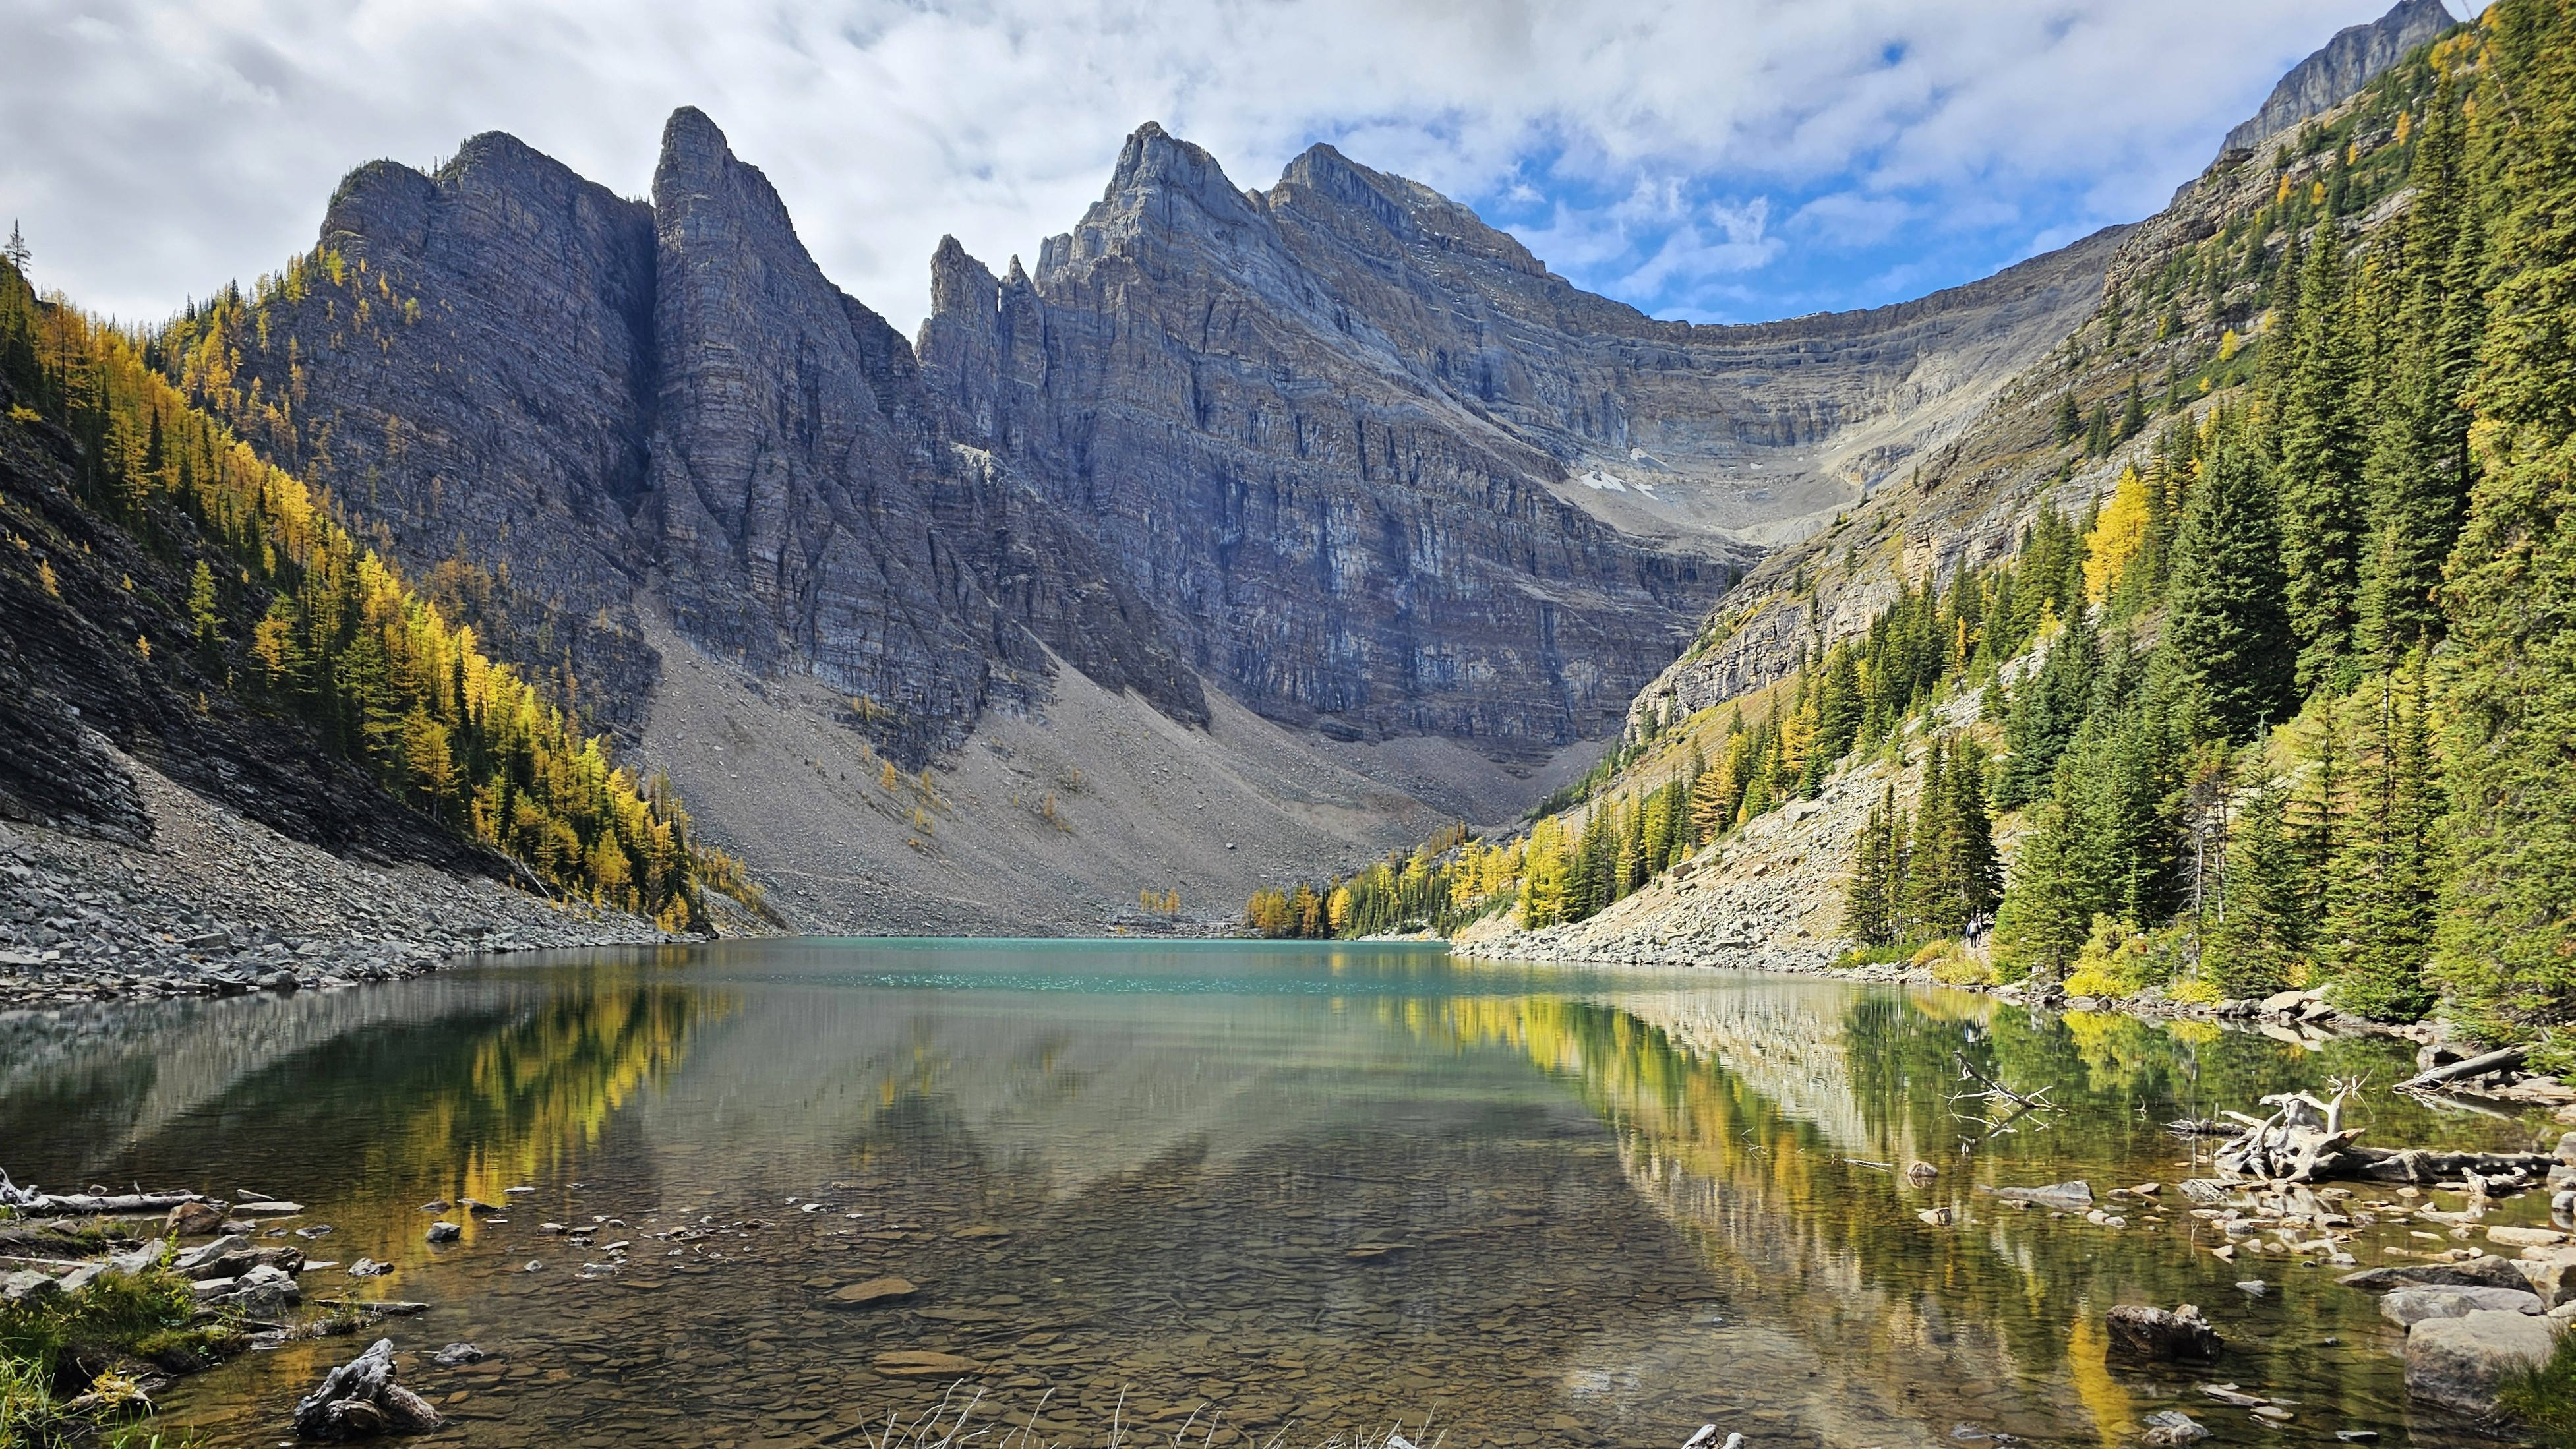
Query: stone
(2071, 1196)
(2142, 1331)
(267, 1209)
(188, 1263)
(2172, 1426)
(264, 1292)
(458, 1353)
(369, 1268)
(2405, 1306)
(2483, 1272)
(873, 1290)
(2458, 1363)
(193, 1220)
(923, 1364)
(443, 1231)
(28, 1286)
(406, 1412)
(1920, 1172)
(2516, 1237)
(2280, 1002)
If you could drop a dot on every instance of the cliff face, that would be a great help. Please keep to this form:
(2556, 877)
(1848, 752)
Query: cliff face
(1394, 475)
(1332, 538)
(2339, 68)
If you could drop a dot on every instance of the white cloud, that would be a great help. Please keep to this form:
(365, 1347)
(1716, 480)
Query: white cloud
(160, 147)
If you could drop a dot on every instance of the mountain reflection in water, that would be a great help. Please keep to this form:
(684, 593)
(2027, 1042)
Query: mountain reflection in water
(1307, 1188)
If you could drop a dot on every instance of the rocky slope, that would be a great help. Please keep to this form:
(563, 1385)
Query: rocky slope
(167, 838)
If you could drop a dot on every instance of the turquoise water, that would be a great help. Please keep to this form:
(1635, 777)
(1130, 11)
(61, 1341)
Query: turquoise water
(1280, 1192)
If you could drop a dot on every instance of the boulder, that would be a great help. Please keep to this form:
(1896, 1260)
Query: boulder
(2513, 1237)
(444, 1232)
(28, 1285)
(2139, 1330)
(264, 1292)
(186, 1265)
(2486, 1272)
(238, 1261)
(2551, 1273)
(194, 1220)
(2407, 1306)
(2074, 1196)
(2459, 1363)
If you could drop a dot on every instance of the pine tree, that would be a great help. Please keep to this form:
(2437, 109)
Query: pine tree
(2379, 924)
(2227, 634)
(2260, 933)
(1869, 898)
(2047, 909)
(2319, 474)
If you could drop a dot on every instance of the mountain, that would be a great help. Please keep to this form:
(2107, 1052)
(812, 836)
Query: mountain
(2339, 69)
(2290, 337)
(1346, 514)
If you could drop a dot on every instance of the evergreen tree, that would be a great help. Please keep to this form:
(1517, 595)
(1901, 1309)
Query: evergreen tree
(1871, 897)
(2379, 923)
(2227, 634)
(2318, 477)
(2256, 944)
(2046, 711)
(2047, 909)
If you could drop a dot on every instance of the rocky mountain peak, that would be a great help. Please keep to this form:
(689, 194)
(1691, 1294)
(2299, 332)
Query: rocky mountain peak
(2340, 68)
(1408, 211)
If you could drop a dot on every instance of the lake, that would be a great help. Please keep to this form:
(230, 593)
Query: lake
(1273, 1193)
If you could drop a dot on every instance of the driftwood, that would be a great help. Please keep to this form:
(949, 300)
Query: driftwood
(28, 1202)
(2505, 1060)
(2419, 1164)
(2303, 1140)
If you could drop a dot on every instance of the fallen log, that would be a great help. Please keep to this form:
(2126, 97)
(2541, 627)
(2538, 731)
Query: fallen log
(86, 1204)
(2503, 1060)
(2423, 1164)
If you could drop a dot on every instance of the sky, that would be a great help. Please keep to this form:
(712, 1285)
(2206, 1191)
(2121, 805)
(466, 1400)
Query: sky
(1714, 160)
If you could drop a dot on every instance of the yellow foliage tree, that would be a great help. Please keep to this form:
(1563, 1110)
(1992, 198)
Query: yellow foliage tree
(2116, 537)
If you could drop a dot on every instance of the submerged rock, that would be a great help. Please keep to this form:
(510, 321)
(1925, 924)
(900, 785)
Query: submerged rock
(2408, 1306)
(874, 1290)
(2173, 1426)
(2464, 1273)
(2139, 1330)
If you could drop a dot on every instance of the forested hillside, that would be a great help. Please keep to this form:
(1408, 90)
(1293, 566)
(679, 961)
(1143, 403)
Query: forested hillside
(248, 594)
(2296, 702)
